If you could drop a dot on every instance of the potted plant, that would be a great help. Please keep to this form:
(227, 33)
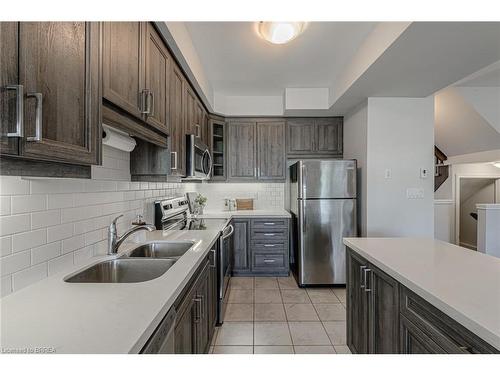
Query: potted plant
(200, 201)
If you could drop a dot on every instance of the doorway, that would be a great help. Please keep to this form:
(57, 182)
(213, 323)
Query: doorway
(470, 192)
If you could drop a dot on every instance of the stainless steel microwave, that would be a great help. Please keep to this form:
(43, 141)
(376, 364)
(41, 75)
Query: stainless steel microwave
(198, 159)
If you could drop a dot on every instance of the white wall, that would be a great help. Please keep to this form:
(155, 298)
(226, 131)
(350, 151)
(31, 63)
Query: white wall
(400, 138)
(355, 147)
(248, 105)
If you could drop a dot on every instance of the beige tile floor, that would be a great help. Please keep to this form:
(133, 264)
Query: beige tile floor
(272, 315)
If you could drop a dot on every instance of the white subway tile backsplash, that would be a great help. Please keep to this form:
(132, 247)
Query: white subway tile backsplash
(5, 246)
(14, 224)
(15, 262)
(27, 240)
(45, 219)
(46, 252)
(5, 285)
(5, 205)
(14, 186)
(60, 264)
(60, 201)
(29, 276)
(73, 243)
(82, 255)
(57, 185)
(59, 232)
(28, 203)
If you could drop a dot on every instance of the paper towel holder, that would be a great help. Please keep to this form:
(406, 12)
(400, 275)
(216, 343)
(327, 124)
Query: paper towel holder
(118, 139)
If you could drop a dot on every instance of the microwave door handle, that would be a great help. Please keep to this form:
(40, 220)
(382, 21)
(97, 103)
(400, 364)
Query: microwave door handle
(207, 154)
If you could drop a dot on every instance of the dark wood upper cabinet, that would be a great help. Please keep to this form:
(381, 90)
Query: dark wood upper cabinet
(242, 163)
(301, 136)
(59, 71)
(329, 135)
(314, 137)
(177, 110)
(190, 119)
(123, 66)
(157, 79)
(9, 87)
(271, 150)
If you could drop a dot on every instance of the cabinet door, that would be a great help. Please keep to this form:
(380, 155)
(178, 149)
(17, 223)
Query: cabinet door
(415, 341)
(123, 65)
(301, 136)
(212, 293)
(157, 77)
(383, 313)
(357, 305)
(329, 136)
(185, 331)
(177, 108)
(191, 107)
(198, 121)
(271, 151)
(202, 317)
(242, 150)
(9, 37)
(60, 61)
(241, 248)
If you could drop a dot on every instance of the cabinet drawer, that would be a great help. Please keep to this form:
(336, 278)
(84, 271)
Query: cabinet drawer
(269, 234)
(446, 332)
(269, 223)
(265, 261)
(269, 246)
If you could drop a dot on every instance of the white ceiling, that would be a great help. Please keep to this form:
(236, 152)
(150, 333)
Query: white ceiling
(238, 62)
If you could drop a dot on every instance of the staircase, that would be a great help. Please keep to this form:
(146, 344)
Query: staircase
(441, 171)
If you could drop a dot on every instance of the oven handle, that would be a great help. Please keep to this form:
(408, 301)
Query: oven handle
(224, 236)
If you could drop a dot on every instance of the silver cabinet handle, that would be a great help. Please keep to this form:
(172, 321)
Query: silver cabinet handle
(365, 273)
(269, 223)
(268, 245)
(214, 264)
(269, 234)
(19, 110)
(172, 154)
(197, 300)
(38, 117)
(144, 101)
(151, 103)
(198, 130)
(269, 260)
(362, 278)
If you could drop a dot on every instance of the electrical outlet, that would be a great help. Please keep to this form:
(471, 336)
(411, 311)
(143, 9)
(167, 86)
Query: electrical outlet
(415, 193)
(388, 173)
(424, 172)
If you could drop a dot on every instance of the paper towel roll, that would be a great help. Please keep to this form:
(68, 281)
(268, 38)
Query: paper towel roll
(117, 139)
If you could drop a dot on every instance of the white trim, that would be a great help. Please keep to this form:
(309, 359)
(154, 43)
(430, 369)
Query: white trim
(490, 206)
(444, 201)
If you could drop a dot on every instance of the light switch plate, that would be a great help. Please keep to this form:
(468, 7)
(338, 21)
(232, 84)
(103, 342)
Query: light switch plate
(424, 172)
(388, 173)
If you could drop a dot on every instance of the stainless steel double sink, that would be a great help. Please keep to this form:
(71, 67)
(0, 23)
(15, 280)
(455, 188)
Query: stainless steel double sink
(143, 263)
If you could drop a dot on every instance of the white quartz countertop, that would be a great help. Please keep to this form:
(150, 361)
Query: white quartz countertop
(98, 318)
(462, 283)
(245, 213)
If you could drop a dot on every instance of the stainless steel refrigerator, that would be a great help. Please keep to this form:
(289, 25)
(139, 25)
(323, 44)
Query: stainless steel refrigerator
(323, 207)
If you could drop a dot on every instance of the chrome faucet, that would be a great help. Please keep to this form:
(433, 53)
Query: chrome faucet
(114, 241)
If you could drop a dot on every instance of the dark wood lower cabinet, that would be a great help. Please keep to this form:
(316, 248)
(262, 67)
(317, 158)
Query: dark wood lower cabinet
(196, 309)
(383, 316)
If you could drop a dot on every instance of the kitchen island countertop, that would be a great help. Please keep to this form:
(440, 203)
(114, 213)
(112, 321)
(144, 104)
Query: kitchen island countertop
(462, 283)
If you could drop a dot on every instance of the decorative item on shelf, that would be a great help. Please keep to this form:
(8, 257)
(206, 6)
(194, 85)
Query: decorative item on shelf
(200, 201)
(230, 204)
(244, 204)
(139, 220)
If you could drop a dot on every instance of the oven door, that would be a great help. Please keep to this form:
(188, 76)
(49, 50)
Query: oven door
(225, 253)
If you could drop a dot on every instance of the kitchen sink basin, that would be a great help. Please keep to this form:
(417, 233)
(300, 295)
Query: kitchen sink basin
(123, 271)
(170, 250)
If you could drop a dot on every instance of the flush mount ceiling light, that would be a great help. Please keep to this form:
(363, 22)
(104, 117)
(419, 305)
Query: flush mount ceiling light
(280, 32)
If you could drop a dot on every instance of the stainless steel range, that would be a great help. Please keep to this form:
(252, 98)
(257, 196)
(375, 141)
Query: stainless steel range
(172, 214)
